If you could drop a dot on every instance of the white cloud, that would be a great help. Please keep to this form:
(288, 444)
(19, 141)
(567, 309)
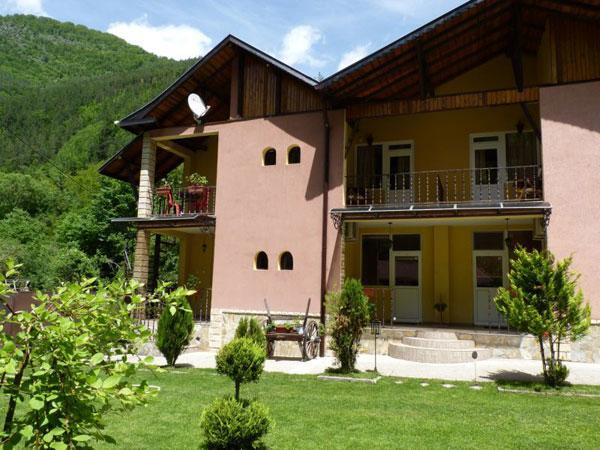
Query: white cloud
(174, 41)
(350, 57)
(418, 9)
(34, 7)
(298, 44)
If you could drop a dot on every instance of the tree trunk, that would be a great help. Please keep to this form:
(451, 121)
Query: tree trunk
(12, 403)
(237, 390)
(541, 341)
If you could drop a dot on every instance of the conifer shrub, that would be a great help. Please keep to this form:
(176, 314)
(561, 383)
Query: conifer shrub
(242, 360)
(176, 324)
(250, 328)
(228, 423)
(543, 299)
(349, 313)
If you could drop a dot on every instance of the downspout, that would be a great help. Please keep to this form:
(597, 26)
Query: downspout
(326, 130)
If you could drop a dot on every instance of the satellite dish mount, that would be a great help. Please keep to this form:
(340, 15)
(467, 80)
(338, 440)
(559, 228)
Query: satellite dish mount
(198, 107)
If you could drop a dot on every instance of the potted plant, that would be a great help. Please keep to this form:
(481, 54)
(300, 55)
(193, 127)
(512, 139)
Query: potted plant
(196, 183)
(164, 189)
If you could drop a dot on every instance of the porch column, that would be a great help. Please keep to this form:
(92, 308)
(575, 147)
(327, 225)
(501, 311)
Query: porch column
(441, 270)
(148, 162)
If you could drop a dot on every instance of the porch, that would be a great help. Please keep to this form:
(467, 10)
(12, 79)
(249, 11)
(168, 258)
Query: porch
(442, 271)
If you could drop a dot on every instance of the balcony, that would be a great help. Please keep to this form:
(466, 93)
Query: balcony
(186, 201)
(481, 186)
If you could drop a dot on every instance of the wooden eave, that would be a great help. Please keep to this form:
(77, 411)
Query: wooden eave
(461, 40)
(125, 164)
(210, 76)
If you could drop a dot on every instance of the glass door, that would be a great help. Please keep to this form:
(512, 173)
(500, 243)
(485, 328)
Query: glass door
(490, 274)
(397, 166)
(405, 280)
(488, 161)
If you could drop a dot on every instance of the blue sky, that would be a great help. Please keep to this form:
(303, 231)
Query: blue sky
(313, 36)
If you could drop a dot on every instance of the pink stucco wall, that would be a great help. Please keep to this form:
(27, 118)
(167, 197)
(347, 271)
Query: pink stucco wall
(570, 118)
(274, 209)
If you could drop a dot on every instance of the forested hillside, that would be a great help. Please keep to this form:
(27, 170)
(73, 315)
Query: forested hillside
(62, 86)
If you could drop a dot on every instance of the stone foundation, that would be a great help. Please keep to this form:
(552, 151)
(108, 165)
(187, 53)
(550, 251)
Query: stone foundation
(199, 342)
(223, 324)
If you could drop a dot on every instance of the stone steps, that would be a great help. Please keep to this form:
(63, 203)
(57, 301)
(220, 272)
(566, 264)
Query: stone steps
(437, 347)
(438, 343)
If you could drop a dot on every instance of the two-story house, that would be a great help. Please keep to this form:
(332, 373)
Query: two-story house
(417, 169)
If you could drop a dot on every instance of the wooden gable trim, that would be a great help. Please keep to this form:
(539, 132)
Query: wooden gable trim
(443, 103)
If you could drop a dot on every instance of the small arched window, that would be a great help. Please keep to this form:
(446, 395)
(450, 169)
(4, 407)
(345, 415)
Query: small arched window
(261, 261)
(293, 156)
(286, 261)
(269, 157)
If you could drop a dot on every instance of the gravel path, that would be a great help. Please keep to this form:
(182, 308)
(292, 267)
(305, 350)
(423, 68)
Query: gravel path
(488, 370)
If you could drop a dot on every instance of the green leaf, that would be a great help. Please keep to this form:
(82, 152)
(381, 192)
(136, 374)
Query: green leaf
(172, 310)
(97, 359)
(59, 446)
(27, 431)
(36, 404)
(82, 438)
(111, 381)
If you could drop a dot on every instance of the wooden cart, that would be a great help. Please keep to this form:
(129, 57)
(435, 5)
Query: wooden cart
(307, 335)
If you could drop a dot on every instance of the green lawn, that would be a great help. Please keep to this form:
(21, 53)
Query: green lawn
(311, 413)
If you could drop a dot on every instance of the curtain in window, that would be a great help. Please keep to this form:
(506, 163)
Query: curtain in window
(368, 164)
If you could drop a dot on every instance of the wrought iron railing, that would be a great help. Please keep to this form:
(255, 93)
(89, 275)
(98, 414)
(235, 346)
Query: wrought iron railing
(515, 183)
(149, 313)
(170, 201)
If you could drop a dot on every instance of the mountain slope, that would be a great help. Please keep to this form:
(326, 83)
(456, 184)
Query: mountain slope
(62, 86)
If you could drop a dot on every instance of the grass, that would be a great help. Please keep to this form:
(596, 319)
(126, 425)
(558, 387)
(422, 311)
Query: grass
(312, 413)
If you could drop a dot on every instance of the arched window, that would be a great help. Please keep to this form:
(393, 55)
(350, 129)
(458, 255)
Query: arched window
(261, 261)
(269, 157)
(286, 261)
(293, 156)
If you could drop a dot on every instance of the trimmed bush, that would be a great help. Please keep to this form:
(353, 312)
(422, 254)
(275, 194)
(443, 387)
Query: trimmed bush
(250, 328)
(228, 423)
(349, 313)
(241, 360)
(175, 326)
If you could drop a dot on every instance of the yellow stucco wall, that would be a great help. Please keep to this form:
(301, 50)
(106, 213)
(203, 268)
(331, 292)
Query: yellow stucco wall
(441, 139)
(446, 263)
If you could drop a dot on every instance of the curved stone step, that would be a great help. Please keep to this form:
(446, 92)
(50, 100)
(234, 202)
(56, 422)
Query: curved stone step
(435, 334)
(436, 355)
(438, 343)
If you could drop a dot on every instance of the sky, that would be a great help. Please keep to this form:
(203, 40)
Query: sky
(317, 37)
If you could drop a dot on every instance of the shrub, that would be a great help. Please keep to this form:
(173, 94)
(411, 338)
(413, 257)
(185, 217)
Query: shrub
(241, 360)
(348, 314)
(68, 366)
(250, 328)
(543, 300)
(228, 423)
(176, 323)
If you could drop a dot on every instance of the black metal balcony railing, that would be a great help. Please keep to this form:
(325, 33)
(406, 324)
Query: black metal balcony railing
(168, 201)
(149, 313)
(514, 184)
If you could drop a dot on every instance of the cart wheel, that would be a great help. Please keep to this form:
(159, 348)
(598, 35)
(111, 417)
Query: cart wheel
(312, 340)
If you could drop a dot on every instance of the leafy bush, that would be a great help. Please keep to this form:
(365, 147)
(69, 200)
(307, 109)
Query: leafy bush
(349, 313)
(229, 423)
(250, 328)
(176, 323)
(241, 360)
(68, 366)
(543, 300)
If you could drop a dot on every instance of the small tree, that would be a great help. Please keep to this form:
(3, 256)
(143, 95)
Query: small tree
(176, 322)
(543, 300)
(250, 328)
(68, 365)
(241, 360)
(349, 313)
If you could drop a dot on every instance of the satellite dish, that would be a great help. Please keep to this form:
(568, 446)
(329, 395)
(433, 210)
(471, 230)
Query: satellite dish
(196, 104)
